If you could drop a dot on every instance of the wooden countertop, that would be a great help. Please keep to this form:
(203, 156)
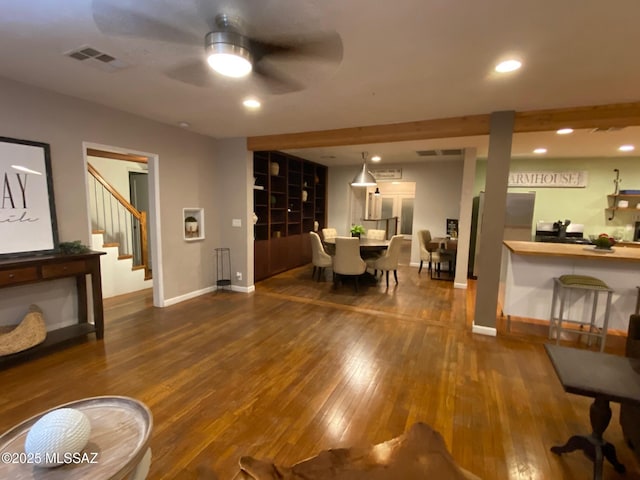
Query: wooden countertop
(619, 253)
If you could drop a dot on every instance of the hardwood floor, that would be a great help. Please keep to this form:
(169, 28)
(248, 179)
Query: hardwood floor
(297, 367)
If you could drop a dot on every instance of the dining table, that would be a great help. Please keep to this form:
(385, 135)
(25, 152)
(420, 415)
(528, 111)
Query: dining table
(367, 245)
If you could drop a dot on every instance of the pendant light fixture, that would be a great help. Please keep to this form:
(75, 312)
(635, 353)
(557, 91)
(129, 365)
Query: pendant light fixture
(364, 177)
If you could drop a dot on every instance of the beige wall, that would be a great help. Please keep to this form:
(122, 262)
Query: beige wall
(187, 172)
(235, 201)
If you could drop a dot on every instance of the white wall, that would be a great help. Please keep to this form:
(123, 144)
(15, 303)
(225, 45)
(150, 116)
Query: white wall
(437, 197)
(116, 172)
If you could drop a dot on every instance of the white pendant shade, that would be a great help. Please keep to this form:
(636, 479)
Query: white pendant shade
(364, 177)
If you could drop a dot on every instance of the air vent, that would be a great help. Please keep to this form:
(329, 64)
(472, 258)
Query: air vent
(606, 129)
(96, 58)
(440, 153)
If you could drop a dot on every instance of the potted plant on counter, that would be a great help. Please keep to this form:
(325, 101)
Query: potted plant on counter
(603, 242)
(357, 230)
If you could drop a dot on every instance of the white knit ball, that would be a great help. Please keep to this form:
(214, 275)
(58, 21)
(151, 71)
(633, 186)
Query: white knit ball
(62, 431)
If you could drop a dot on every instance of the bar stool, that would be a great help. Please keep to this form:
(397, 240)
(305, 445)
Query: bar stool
(566, 284)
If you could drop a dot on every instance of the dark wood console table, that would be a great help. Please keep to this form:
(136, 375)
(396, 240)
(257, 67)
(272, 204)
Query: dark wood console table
(606, 378)
(28, 270)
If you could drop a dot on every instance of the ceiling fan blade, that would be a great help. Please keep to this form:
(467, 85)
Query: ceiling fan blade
(322, 46)
(276, 82)
(113, 20)
(195, 72)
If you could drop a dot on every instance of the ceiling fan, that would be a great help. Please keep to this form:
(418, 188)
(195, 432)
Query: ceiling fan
(221, 42)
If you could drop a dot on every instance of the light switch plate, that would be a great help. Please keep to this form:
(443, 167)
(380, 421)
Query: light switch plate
(236, 222)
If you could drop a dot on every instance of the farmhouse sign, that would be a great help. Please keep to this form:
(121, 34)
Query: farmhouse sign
(577, 179)
(27, 210)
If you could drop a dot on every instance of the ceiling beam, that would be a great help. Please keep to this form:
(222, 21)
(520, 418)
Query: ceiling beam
(601, 116)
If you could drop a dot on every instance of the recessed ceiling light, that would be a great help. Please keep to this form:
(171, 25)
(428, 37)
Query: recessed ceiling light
(626, 148)
(251, 103)
(508, 66)
(184, 124)
(565, 131)
(540, 150)
(376, 158)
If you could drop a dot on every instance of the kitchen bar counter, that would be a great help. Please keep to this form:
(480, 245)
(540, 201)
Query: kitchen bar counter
(528, 269)
(618, 253)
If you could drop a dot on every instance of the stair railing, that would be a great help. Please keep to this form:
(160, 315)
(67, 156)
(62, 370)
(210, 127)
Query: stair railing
(119, 221)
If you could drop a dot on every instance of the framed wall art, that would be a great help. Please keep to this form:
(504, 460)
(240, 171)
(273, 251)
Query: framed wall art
(27, 209)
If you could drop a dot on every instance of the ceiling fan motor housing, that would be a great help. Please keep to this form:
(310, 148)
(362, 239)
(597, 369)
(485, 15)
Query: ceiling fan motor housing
(228, 42)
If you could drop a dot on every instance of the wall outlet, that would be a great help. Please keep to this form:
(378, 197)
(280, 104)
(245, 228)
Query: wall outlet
(236, 222)
(239, 275)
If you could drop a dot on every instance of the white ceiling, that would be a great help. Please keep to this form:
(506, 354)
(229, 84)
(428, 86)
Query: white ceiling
(402, 61)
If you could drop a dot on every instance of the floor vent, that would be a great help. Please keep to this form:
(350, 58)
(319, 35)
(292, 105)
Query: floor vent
(96, 58)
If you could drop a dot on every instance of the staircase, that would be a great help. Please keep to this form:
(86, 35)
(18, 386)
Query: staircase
(119, 230)
(119, 275)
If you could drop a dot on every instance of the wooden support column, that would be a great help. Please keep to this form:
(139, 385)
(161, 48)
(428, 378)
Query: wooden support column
(489, 260)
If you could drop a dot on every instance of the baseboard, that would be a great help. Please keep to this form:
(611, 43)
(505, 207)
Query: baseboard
(463, 286)
(187, 296)
(482, 330)
(249, 289)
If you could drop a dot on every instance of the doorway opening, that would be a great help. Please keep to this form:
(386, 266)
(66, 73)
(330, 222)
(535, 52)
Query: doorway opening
(391, 200)
(122, 201)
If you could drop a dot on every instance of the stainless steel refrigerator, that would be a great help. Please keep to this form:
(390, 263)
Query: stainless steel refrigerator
(518, 222)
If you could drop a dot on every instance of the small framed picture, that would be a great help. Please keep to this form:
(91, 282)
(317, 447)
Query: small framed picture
(452, 227)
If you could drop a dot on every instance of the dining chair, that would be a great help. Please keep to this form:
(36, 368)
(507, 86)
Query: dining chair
(427, 253)
(329, 233)
(389, 259)
(376, 234)
(320, 258)
(347, 260)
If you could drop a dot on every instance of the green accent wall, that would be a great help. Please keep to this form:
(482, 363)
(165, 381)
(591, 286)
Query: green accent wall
(580, 205)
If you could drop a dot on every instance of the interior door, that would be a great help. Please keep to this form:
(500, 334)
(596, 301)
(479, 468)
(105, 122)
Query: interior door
(401, 206)
(139, 194)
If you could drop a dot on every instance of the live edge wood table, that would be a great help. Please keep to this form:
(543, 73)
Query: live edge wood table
(606, 378)
(118, 447)
(42, 268)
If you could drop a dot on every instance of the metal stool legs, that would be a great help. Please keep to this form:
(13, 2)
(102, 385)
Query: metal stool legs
(589, 286)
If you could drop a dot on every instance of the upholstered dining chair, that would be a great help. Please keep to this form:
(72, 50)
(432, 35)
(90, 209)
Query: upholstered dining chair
(347, 260)
(376, 234)
(389, 259)
(427, 254)
(329, 233)
(320, 258)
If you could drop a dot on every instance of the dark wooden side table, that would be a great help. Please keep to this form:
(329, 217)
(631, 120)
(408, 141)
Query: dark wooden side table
(604, 377)
(43, 268)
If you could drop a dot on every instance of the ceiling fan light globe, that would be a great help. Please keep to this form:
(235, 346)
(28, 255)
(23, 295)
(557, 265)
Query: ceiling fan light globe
(230, 64)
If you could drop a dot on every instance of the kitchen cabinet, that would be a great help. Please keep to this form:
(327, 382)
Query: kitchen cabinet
(289, 196)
